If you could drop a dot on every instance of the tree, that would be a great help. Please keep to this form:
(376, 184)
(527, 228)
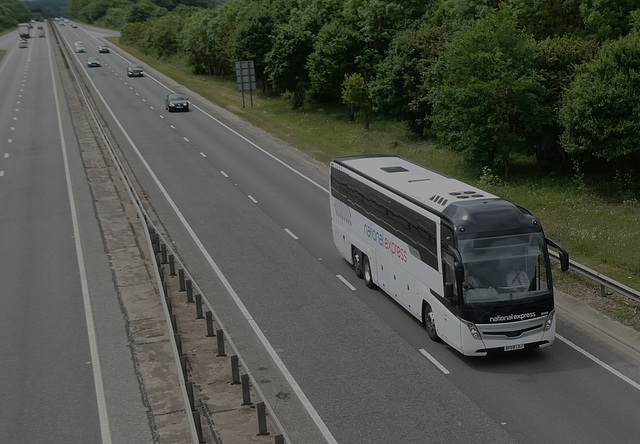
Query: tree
(13, 12)
(144, 10)
(355, 94)
(292, 41)
(559, 56)
(487, 102)
(600, 112)
(403, 78)
(334, 56)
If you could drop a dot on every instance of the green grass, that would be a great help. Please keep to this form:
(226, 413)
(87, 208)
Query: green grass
(598, 232)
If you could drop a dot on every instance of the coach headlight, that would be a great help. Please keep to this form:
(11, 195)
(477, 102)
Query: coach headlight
(549, 322)
(473, 330)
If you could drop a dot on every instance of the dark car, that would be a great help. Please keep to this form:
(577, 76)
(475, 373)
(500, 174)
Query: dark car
(134, 70)
(103, 49)
(93, 62)
(176, 102)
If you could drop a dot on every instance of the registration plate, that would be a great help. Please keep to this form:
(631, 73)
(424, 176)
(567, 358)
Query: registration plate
(509, 348)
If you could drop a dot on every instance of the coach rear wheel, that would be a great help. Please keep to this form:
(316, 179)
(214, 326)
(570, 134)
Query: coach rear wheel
(366, 269)
(356, 257)
(429, 322)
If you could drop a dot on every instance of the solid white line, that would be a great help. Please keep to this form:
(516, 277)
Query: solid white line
(290, 233)
(252, 199)
(95, 360)
(434, 361)
(604, 365)
(346, 282)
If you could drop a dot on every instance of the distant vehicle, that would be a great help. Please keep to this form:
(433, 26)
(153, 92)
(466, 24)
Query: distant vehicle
(25, 30)
(93, 62)
(73, 25)
(176, 102)
(80, 47)
(22, 43)
(134, 70)
(40, 31)
(104, 49)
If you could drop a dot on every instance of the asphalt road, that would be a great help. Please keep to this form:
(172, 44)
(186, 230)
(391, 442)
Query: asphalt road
(250, 219)
(60, 308)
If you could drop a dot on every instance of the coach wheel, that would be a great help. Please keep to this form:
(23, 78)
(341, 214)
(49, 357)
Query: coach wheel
(429, 322)
(356, 256)
(366, 269)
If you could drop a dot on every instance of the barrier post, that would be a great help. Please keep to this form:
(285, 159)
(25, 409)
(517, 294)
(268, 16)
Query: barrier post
(199, 307)
(181, 278)
(189, 290)
(221, 352)
(210, 332)
(262, 419)
(246, 391)
(172, 265)
(235, 370)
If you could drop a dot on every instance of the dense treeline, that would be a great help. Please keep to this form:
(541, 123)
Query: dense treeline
(13, 12)
(553, 82)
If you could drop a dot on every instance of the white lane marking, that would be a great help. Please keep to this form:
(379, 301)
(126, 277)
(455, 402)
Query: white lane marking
(434, 361)
(185, 139)
(6, 155)
(172, 127)
(258, 147)
(290, 233)
(91, 333)
(224, 174)
(9, 140)
(602, 364)
(203, 154)
(252, 199)
(346, 282)
(1, 173)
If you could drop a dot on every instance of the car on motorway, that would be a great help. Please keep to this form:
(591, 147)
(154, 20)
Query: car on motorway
(22, 43)
(80, 47)
(176, 102)
(104, 49)
(73, 25)
(93, 62)
(134, 70)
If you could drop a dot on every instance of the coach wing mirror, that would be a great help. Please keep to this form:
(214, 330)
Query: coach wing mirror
(563, 256)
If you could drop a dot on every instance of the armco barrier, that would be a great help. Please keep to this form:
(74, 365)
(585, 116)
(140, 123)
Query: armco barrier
(187, 285)
(604, 281)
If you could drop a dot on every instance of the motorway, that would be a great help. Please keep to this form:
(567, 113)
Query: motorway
(249, 217)
(62, 367)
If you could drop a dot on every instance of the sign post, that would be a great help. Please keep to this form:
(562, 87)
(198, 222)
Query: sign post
(246, 78)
